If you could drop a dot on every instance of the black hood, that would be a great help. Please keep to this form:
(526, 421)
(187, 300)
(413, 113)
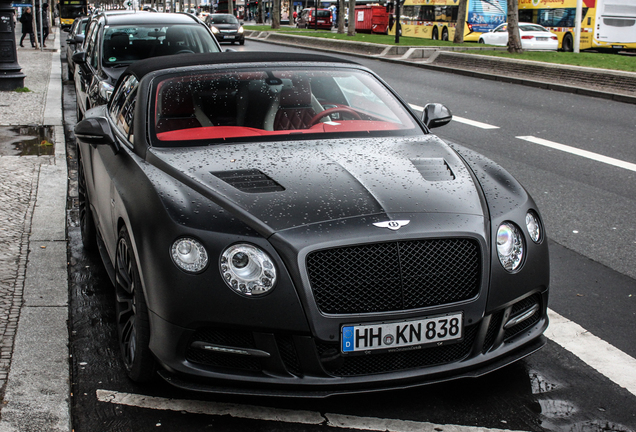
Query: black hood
(291, 184)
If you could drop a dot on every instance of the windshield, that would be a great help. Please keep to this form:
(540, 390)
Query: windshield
(532, 27)
(224, 19)
(126, 44)
(201, 108)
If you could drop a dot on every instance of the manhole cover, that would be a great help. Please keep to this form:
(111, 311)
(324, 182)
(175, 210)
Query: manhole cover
(26, 141)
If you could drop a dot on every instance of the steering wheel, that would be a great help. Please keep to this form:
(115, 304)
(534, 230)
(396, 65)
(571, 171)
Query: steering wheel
(342, 109)
(185, 51)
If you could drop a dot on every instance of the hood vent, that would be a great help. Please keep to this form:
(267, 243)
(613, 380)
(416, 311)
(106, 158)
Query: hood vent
(249, 181)
(434, 169)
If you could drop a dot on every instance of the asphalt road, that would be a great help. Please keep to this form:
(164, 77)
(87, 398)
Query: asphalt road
(587, 206)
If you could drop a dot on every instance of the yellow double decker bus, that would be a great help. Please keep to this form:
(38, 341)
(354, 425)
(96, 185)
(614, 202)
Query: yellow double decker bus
(435, 19)
(606, 24)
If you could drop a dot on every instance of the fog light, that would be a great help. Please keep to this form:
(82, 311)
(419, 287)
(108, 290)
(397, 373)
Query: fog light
(189, 255)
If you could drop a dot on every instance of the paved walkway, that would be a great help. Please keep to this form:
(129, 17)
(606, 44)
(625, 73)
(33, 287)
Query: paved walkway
(34, 359)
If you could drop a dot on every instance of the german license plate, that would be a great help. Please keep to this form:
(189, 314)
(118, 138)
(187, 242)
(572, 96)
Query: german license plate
(542, 39)
(229, 37)
(321, 21)
(394, 335)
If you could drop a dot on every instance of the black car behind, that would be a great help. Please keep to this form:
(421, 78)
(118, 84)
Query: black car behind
(226, 28)
(115, 40)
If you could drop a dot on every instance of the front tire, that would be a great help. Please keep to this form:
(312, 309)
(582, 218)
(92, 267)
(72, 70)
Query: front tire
(133, 326)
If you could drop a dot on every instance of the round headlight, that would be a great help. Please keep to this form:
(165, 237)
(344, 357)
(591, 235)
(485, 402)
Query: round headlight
(189, 255)
(534, 227)
(510, 246)
(247, 269)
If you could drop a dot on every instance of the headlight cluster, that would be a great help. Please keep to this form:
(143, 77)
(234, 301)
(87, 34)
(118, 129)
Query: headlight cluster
(248, 270)
(510, 241)
(245, 268)
(214, 30)
(189, 255)
(241, 30)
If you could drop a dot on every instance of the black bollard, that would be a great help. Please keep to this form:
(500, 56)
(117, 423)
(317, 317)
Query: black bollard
(11, 76)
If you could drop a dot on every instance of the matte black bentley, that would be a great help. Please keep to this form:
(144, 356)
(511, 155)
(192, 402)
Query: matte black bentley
(284, 224)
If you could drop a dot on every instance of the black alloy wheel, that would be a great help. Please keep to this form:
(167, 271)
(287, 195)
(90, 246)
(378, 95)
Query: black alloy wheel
(87, 224)
(133, 327)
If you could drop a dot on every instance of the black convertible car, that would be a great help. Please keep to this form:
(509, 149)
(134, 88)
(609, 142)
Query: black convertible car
(283, 224)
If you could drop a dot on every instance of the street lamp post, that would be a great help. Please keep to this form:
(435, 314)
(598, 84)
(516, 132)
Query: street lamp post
(11, 76)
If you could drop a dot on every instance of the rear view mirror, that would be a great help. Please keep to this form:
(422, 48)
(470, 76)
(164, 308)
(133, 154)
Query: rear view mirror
(79, 57)
(96, 131)
(436, 115)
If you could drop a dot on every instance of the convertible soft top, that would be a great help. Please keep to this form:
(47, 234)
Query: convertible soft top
(144, 67)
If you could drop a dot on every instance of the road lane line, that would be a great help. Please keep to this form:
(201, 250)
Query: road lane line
(583, 153)
(253, 412)
(595, 352)
(461, 119)
(600, 355)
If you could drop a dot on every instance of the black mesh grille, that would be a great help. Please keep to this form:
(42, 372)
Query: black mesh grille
(288, 353)
(394, 276)
(391, 362)
(522, 306)
(225, 337)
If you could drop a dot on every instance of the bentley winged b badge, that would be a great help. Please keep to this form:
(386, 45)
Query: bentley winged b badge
(393, 224)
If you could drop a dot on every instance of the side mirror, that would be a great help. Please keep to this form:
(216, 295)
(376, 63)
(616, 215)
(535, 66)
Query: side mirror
(96, 131)
(79, 57)
(66, 29)
(79, 39)
(436, 115)
(70, 41)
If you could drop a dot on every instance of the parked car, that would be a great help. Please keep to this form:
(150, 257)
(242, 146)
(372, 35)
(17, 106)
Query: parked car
(74, 41)
(280, 223)
(533, 37)
(115, 40)
(226, 28)
(309, 18)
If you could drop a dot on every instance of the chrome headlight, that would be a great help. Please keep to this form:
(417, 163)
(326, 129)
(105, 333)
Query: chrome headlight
(248, 270)
(240, 30)
(534, 227)
(510, 246)
(189, 255)
(105, 90)
(214, 30)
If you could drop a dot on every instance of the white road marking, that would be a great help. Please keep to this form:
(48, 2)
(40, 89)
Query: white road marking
(583, 153)
(600, 355)
(461, 119)
(253, 412)
(606, 359)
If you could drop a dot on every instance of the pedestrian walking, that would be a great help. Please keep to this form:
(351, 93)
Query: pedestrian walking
(27, 26)
(45, 23)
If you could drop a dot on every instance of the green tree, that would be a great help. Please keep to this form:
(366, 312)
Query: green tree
(514, 40)
(461, 19)
(351, 29)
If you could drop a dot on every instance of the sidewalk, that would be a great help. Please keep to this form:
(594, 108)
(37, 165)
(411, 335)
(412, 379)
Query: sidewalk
(34, 356)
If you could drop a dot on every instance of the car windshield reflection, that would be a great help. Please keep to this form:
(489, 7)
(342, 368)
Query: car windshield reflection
(126, 44)
(196, 108)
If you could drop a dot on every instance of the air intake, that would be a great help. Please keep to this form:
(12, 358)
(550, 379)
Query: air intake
(434, 169)
(249, 181)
